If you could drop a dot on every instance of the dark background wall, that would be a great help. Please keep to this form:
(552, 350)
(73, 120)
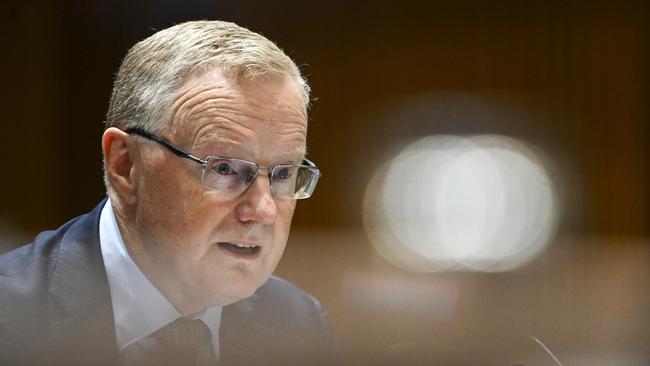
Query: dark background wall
(578, 70)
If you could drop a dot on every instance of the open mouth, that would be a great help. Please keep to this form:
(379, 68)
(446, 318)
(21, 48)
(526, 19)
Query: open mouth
(241, 249)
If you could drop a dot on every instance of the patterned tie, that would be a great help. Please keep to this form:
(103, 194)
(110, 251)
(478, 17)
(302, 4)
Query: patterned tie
(187, 342)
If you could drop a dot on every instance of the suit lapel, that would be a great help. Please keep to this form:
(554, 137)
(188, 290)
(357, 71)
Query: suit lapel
(83, 330)
(242, 333)
(251, 334)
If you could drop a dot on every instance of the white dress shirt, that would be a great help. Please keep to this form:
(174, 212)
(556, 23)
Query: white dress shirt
(139, 308)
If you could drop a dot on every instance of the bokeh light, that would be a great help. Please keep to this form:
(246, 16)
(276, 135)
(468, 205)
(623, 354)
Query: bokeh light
(461, 203)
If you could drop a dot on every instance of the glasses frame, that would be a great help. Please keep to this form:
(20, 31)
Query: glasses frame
(204, 163)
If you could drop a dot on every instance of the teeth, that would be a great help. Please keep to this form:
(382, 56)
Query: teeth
(244, 245)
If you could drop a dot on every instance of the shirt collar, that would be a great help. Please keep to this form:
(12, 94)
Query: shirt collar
(139, 308)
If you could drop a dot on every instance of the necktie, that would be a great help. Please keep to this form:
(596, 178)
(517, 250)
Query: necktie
(186, 342)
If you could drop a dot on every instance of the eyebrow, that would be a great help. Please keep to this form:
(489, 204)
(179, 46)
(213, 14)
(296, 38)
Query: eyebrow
(218, 139)
(299, 150)
(213, 139)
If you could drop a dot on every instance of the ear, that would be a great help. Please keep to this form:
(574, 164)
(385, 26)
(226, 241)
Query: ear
(118, 159)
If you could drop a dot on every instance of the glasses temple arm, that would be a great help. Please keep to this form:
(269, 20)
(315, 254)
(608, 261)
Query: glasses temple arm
(177, 151)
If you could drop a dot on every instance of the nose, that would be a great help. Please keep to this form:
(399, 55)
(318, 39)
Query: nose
(257, 204)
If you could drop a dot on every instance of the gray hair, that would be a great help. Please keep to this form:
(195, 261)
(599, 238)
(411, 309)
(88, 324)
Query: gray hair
(154, 68)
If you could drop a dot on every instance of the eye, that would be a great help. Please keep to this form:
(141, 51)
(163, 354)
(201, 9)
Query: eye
(224, 168)
(284, 173)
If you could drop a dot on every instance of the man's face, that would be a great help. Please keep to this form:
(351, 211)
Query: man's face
(187, 231)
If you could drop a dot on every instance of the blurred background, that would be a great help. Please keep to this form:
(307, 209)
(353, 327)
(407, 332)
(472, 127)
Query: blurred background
(484, 198)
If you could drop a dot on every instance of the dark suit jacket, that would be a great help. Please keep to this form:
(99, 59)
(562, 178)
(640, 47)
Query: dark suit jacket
(55, 309)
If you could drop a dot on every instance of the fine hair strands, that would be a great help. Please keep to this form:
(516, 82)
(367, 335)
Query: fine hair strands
(155, 67)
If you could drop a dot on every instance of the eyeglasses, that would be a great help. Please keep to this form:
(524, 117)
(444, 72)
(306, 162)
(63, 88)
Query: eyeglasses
(233, 176)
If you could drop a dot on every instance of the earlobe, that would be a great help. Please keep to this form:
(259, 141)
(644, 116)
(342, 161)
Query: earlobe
(118, 159)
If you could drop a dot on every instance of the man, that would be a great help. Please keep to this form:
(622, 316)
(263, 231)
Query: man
(204, 159)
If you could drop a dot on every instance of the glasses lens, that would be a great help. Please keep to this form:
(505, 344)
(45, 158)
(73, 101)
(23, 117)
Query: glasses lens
(228, 175)
(234, 175)
(293, 181)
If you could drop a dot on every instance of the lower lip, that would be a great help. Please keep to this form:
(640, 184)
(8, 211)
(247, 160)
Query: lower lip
(242, 253)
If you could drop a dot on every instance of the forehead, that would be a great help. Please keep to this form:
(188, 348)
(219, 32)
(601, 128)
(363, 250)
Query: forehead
(262, 119)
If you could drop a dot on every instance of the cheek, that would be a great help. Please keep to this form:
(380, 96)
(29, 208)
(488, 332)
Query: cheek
(283, 224)
(285, 211)
(169, 205)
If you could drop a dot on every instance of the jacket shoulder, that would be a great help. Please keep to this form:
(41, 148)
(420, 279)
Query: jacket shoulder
(27, 308)
(25, 276)
(280, 311)
(284, 299)
(44, 248)
(28, 266)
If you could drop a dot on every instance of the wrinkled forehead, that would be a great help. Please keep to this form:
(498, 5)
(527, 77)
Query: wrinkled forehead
(217, 107)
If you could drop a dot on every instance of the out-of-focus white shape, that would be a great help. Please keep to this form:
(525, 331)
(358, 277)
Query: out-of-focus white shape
(449, 202)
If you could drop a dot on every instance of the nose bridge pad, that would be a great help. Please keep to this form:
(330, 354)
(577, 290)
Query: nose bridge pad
(268, 172)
